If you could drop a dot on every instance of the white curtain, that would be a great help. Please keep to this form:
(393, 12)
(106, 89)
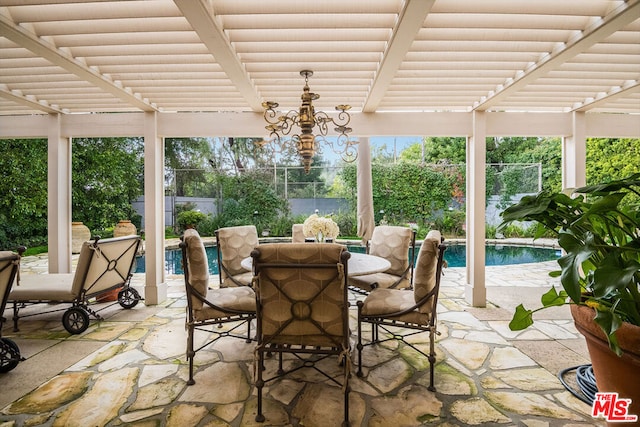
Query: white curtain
(366, 221)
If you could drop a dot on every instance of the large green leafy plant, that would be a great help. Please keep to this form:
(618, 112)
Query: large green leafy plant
(599, 231)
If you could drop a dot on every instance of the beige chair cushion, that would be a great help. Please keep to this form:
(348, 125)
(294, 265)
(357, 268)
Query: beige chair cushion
(297, 233)
(8, 266)
(198, 265)
(424, 278)
(240, 298)
(392, 243)
(84, 259)
(44, 287)
(99, 268)
(243, 278)
(316, 315)
(387, 301)
(109, 264)
(236, 244)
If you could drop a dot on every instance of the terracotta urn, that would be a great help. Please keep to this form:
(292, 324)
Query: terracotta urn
(79, 234)
(124, 228)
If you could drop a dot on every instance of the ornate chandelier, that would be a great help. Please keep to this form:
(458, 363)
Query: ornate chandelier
(306, 118)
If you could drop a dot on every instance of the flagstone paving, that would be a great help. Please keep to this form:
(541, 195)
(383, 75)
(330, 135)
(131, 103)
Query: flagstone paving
(130, 369)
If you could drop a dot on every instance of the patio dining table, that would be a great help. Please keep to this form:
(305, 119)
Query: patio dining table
(359, 264)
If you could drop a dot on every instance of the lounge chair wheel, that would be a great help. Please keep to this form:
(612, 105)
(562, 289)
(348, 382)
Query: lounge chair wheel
(9, 355)
(128, 298)
(75, 320)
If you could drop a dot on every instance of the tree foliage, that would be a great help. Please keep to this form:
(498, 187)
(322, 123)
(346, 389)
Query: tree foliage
(247, 196)
(406, 192)
(448, 150)
(610, 159)
(23, 206)
(185, 161)
(107, 175)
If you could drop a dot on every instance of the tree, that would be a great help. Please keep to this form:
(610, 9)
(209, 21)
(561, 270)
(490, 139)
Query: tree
(107, 175)
(185, 162)
(609, 159)
(248, 198)
(436, 150)
(405, 191)
(315, 184)
(23, 206)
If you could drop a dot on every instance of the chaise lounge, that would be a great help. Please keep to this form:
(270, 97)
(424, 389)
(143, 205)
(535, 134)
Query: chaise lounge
(103, 265)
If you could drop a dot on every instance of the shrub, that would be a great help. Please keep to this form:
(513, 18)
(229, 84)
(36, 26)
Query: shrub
(190, 219)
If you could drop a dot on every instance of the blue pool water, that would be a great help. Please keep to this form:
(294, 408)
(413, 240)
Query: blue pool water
(455, 257)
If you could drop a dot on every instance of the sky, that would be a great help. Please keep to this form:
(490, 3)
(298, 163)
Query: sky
(390, 143)
(397, 143)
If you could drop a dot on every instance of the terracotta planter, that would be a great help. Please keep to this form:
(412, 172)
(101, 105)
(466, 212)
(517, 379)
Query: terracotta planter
(613, 373)
(109, 296)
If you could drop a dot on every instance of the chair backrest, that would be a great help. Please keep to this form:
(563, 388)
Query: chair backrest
(301, 290)
(196, 267)
(426, 281)
(234, 245)
(297, 233)
(9, 265)
(392, 243)
(104, 264)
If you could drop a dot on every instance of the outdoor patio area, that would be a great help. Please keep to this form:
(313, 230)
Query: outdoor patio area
(130, 369)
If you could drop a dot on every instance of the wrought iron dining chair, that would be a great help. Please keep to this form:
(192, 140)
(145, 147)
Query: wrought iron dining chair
(235, 244)
(408, 312)
(208, 307)
(397, 245)
(302, 309)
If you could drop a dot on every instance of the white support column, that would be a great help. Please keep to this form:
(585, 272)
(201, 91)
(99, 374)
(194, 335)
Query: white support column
(58, 197)
(574, 154)
(476, 292)
(155, 290)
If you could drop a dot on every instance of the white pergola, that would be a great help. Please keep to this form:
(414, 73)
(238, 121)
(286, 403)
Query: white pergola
(190, 68)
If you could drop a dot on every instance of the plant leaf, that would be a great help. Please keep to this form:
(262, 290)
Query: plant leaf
(609, 322)
(553, 298)
(522, 319)
(610, 278)
(571, 263)
(616, 185)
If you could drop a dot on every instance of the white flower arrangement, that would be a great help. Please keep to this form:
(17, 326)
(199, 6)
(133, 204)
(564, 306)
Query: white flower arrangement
(320, 228)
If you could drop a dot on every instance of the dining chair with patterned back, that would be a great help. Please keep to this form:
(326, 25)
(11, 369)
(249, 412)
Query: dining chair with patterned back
(235, 244)
(207, 307)
(302, 310)
(397, 245)
(408, 312)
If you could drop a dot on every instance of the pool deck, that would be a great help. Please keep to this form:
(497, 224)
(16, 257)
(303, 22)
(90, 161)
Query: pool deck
(129, 369)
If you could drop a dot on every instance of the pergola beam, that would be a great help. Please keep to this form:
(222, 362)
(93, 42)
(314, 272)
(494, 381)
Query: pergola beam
(22, 37)
(409, 23)
(201, 18)
(620, 17)
(28, 101)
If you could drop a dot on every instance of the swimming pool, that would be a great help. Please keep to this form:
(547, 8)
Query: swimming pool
(455, 256)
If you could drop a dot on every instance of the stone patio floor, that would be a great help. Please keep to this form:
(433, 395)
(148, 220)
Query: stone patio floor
(129, 369)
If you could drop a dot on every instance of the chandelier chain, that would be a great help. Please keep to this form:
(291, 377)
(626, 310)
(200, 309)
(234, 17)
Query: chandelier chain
(306, 119)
